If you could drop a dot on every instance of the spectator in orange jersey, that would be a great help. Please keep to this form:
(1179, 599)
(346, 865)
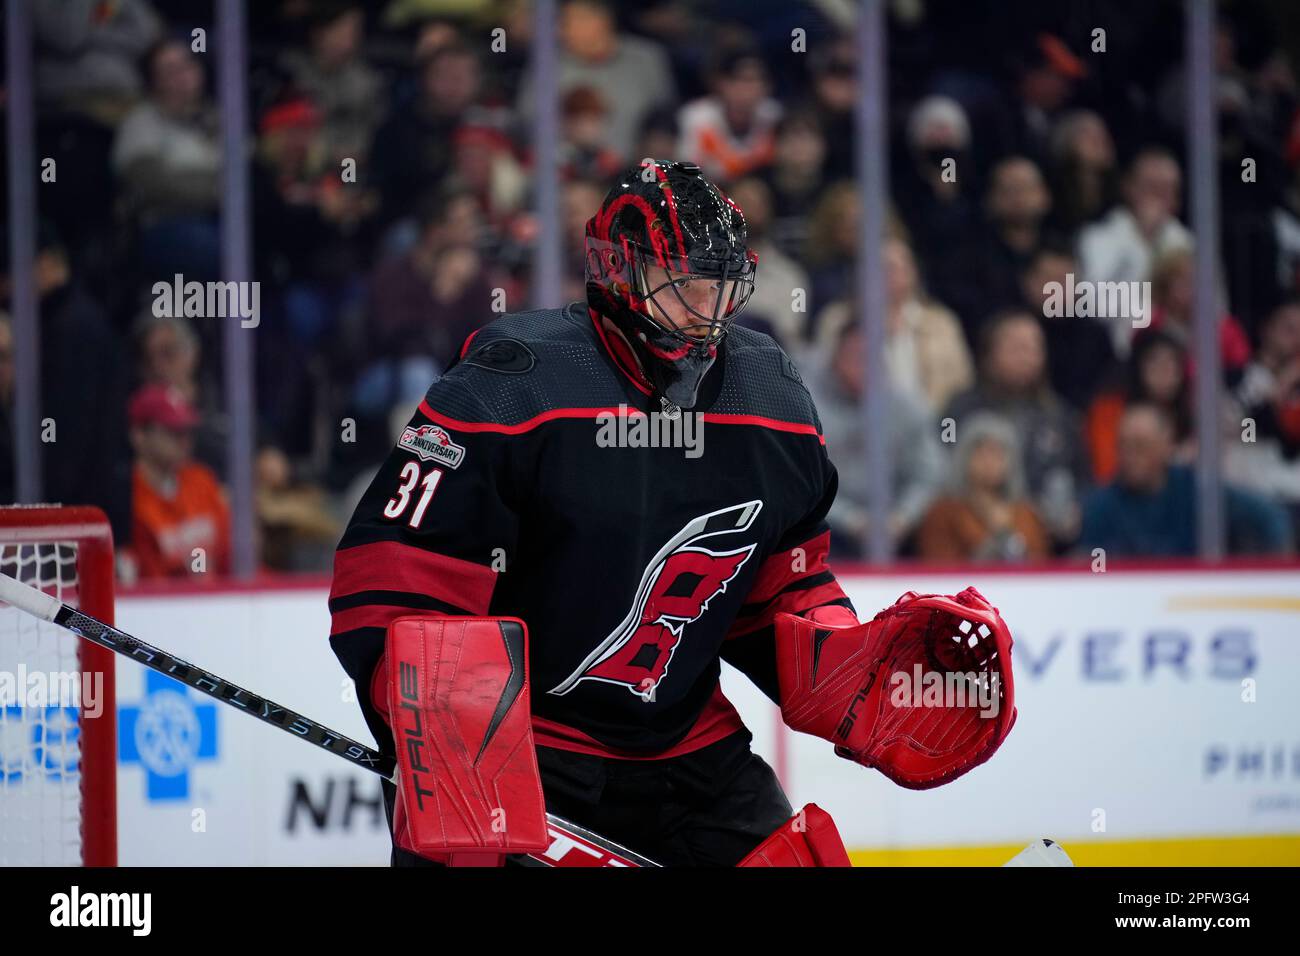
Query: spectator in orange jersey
(732, 132)
(987, 516)
(177, 503)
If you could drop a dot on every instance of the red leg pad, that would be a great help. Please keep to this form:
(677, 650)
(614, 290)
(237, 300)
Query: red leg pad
(469, 790)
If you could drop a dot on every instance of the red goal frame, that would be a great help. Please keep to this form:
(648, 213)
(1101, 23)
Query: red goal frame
(88, 529)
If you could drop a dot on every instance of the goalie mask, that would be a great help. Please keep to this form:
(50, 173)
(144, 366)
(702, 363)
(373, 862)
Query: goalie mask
(668, 264)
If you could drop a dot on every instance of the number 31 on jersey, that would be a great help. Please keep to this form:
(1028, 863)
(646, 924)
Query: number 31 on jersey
(412, 478)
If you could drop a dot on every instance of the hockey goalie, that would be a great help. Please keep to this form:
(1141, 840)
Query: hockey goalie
(535, 616)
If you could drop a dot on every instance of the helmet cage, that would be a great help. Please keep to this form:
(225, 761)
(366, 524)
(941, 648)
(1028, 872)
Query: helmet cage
(622, 270)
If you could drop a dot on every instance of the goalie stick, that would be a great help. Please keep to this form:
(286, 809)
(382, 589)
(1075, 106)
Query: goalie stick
(571, 845)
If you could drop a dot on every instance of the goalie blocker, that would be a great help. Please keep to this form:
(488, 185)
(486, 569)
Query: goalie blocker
(454, 692)
(469, 791)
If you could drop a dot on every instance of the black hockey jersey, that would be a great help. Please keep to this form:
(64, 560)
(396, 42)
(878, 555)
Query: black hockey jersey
(538, 479)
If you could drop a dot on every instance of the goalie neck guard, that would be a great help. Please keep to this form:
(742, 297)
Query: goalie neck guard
(667, 241)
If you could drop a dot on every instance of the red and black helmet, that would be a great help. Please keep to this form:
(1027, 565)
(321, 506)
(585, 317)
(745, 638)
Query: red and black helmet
(662, 227)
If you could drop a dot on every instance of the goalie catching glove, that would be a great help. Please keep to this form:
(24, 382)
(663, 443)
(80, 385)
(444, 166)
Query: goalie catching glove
(923, 692)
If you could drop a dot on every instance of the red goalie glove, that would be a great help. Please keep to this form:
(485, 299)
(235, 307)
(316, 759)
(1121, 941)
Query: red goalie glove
(923, 692)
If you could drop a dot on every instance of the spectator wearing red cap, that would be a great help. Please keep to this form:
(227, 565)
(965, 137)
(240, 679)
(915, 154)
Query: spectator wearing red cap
(169, 351)
(180, 522)
(304, 210)
(333, 73)
(485, 164)
(583, 151)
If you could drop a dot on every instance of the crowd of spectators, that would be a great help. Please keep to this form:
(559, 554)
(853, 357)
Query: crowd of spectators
(392, 196)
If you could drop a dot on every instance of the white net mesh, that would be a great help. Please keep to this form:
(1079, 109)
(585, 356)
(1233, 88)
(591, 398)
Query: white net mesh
(40, 735)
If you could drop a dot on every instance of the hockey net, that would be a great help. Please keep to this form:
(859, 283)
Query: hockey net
(58, 716)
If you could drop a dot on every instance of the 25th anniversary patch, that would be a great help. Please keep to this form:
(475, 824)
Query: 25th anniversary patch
(432, 443)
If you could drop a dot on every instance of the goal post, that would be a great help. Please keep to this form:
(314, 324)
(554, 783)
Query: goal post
(58, 757)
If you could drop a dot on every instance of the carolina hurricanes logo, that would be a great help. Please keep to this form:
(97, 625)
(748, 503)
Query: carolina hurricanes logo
(675, 589)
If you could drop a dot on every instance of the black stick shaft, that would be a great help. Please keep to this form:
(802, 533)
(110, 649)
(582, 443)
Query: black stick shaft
(205, 682)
